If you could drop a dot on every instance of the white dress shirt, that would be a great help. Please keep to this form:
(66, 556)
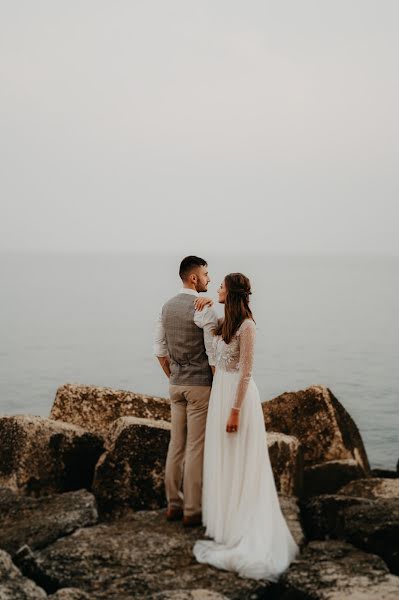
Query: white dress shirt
(205, 319)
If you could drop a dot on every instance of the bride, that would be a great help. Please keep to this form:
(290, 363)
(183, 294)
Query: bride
(240, 506)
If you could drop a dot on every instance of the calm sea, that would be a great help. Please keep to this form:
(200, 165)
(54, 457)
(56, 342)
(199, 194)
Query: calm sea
(89, 319)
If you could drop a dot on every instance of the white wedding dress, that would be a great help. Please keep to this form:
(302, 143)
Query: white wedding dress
(240, 505)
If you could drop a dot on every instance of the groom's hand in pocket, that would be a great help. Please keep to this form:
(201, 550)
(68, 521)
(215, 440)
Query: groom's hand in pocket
(233, 422)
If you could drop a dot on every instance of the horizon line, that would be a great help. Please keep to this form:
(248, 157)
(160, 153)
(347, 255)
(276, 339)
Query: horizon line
(173, 254)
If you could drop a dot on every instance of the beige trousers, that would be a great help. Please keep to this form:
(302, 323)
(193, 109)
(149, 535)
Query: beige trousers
(189, 407)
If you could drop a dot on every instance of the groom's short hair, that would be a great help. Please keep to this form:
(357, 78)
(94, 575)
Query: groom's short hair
(189, 264)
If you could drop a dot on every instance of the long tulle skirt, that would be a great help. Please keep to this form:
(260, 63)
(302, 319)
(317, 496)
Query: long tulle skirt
(240, 505)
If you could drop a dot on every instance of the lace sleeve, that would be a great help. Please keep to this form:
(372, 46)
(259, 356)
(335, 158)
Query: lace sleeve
(212, 352)
(247, 346)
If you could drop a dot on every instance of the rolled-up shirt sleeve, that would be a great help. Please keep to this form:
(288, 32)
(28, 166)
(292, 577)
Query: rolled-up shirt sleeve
(160, 347)
(207, 320)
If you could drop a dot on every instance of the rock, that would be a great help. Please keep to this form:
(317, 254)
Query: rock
(384, 473)
(40, 521)
(131, 472)
(333, 451)
(95, 408)
(336, 570)
(41, 456)
(291, 511)
(13, 585)
(286, 458)
(70, 594)
(137, 556)
(332, 436)
(322, 515)
(25, 560)
(188, 595)
(374, 527)
(330, 476)
(371, 525)
(373, 487)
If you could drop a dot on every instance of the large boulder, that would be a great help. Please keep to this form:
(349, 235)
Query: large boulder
(188, 595)
(334, 570)
(292, 514)
(136, 556)
(70, 594)
(13, 585)
(328, 477)
(42, 456)
(375, 528)
(321, 424)
(322, 515)
(385, 473)
(373, 487)
(286, 458)
(323, 427)
(40, 521)
(371, 525)
(131, 471)
(95, 408)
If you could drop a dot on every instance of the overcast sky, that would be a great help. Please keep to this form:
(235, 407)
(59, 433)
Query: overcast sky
(200, 126)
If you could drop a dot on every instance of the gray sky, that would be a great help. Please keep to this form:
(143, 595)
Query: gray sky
(200, 126)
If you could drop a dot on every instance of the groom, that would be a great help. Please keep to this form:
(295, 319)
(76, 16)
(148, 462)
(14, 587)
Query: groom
(183, 341)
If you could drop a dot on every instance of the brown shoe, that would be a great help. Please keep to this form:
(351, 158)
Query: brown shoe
(174, 514)
(192, 520)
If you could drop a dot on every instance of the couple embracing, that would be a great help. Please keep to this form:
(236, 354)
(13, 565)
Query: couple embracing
(218, 451)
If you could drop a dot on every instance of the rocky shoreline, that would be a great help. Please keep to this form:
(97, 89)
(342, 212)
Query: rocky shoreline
(82, 504)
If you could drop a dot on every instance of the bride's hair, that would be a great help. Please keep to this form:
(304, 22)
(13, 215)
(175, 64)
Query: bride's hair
(236, 305)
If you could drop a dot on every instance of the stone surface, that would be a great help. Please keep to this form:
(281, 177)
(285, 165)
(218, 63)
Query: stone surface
(13, 585)
(374, 527)
(188, 595)
(70, 594)
(330, 476)
(373, 487)
(321, 424)
(385, 473)
(291, 511)
(136, 556)
(40, 521)
(322, 515)
(41, 456)
(371, 525)
(286, 458)
(95, 408)
(131, 472)
(334, 570)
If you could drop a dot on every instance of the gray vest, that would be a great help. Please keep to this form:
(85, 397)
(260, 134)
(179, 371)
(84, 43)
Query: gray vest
(185, 342)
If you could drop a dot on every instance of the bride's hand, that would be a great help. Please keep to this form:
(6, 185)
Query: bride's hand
(200, 303)
(233, 422)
